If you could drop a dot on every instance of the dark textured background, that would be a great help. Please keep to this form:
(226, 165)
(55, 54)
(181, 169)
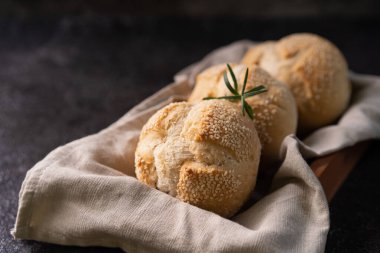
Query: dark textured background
(65, 77)
(195, 8)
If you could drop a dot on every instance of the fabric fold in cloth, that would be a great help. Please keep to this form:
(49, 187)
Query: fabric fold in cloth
(84, 193)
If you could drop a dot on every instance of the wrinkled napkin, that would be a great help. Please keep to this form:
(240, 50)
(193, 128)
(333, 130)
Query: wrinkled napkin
(85, 193)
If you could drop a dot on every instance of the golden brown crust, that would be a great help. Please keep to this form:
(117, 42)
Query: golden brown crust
(209, 188)
(147, 173)
(210, 75)
(184, 146)
(275, 111)
(315, 71)
(209, 123)
(153, 133)
(256, 54)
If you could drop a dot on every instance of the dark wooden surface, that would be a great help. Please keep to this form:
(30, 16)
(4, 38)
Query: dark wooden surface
(332, 170)
(61, 79)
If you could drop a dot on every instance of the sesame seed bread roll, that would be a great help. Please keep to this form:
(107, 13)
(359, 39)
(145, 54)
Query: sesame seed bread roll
(275, 112)
(206, 154)
(315, 71)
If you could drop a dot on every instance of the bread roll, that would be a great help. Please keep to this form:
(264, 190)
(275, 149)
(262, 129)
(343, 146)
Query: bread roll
(275, 113)
(315, 71)
(206, 154)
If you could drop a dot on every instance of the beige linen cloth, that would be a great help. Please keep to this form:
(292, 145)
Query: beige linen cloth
(85, 193)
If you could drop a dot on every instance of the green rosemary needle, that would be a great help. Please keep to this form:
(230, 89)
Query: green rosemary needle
(245, 107)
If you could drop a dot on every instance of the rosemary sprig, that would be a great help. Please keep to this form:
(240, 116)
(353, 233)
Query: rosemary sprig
(245, 107)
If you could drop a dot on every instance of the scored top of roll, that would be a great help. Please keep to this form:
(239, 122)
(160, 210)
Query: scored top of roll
(206, 154)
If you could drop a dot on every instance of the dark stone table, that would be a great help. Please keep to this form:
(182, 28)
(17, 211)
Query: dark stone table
(64, 78)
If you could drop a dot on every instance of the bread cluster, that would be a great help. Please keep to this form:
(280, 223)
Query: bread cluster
(315, 71)
(275, 112)
(206, 154)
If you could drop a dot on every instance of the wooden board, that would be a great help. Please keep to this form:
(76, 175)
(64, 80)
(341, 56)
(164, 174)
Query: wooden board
(332, 170)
